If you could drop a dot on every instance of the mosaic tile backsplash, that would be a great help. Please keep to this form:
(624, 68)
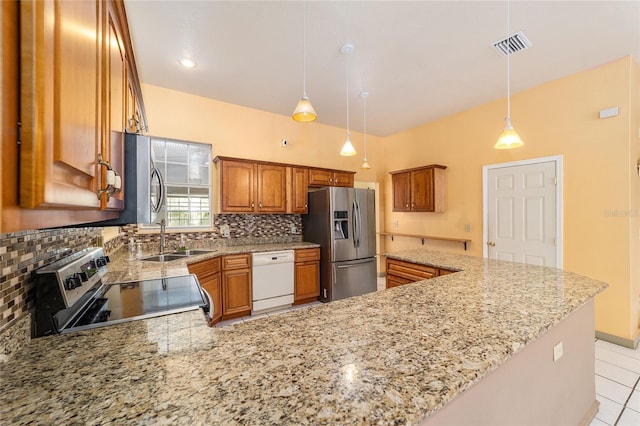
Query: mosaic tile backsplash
(21, 253)
(243, 229)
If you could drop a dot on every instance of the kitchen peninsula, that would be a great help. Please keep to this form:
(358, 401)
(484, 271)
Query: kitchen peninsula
(415, 353)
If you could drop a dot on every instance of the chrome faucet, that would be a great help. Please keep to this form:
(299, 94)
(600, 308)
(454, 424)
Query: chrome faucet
(163, 236)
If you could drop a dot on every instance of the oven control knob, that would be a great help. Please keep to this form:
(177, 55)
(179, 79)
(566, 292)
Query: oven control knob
(83, 276)
(92, 263)
(101, 261)
(72, 282)
(68, 284)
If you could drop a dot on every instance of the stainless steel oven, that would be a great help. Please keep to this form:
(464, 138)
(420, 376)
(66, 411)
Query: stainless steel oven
(70, 296)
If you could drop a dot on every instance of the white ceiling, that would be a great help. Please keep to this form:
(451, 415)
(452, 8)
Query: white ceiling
(419, 60)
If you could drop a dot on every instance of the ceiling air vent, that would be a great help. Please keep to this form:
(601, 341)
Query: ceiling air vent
(514, 43)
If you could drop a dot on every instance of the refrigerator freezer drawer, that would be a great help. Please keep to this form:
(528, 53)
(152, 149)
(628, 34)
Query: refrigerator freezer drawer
(353, 278)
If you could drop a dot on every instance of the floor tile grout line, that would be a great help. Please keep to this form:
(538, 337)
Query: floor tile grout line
(615, 381)
(624, 407)
(618, 365)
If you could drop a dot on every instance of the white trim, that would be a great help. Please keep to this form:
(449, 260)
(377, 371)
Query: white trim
(558, 159)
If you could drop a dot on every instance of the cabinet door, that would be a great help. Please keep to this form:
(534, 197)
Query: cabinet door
(115, 94)
(236, 293)
(213, 286)
(271, 189)
(320, 177)
(343, 179)
(298, 200)
(60, 103)
(307, 282)
(401, 187)
(422, 190)
(238, 187)
(395, 281)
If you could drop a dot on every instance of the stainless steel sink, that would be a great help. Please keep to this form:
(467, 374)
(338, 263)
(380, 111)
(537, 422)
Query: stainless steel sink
(193, 252)
(164, 257)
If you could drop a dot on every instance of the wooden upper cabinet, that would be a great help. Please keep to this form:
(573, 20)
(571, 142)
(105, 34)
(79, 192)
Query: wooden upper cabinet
(115, 91)
(237, 183)
(251, 187)
(73, 88)
(320, 177)
(271, 189)
(327, 177)
(297, 190)
(401, 184)
(419, 190)
(60, 103)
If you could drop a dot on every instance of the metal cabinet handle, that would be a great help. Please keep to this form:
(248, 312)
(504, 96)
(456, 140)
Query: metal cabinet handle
(252, 205)
(406, 205)
(260, 204)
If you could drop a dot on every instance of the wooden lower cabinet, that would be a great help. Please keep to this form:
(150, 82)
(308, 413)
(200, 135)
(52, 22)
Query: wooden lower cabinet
(208, 273)
(400, 272)
(307, 276)
(236, 286)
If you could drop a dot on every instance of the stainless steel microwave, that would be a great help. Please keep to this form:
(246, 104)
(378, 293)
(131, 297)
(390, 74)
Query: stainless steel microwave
(144, 190)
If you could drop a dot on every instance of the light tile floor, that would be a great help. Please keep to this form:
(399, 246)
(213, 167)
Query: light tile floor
(617, 387)
(617, 376)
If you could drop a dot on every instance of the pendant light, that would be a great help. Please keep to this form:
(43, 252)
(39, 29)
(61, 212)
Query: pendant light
(509, 138)
(365, 163)
(304, 111)
(347, 149)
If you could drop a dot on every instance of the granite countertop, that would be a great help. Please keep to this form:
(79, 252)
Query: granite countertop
(121, 269)
(388, 357)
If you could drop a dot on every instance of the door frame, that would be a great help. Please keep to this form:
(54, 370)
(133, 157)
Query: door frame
(558, 160)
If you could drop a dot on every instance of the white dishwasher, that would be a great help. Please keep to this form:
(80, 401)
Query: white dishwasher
(272, 280)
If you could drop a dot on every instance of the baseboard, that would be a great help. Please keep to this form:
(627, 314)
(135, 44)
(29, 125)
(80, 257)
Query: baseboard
(620, 341)
(589, 416)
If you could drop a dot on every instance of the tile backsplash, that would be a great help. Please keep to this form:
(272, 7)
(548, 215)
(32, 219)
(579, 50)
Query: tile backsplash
(21, 253)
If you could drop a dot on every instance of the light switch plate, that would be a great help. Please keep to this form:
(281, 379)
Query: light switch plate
(294, 229)
(225, 231)
(557, 352)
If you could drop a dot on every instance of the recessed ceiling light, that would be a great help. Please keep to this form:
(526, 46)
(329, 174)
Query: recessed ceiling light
(187, 63)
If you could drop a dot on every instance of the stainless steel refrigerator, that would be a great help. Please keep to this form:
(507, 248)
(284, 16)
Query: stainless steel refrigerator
(342, 221)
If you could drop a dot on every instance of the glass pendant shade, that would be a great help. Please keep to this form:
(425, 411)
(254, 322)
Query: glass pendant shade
(365, 164)
(347, 149)
(509, 138)
(304, 111)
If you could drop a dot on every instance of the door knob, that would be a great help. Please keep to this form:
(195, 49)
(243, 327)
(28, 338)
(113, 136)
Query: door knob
(491, 244)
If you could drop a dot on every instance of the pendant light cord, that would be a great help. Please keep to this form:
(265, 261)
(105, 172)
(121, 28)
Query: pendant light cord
(508, 63)
(365, 128)
(304, 49)
(347, 68)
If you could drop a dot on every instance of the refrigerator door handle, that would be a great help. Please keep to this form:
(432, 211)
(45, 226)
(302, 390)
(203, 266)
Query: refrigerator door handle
(354, 263)
(354, 223)
(359, 223)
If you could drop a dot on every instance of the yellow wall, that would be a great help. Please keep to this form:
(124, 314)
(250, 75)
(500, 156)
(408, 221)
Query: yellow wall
(556, 118)
(237, 131)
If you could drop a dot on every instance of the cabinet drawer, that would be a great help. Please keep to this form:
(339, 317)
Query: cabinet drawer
(236, 261)
(393, 281)
(410, 271)
(306, 255)
(205, 267)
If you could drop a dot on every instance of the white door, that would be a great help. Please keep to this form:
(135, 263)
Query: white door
(522, 214)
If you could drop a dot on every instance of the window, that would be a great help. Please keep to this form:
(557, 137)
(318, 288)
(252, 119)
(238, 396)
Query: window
(186, 171)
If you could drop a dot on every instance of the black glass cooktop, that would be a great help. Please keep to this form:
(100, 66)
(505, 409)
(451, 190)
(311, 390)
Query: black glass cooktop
(128, 301)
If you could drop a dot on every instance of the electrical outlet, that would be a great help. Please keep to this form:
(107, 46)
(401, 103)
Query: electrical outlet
(467, 227)
(394, 224)
(294, 229)
(557, 352)
(225, 231)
